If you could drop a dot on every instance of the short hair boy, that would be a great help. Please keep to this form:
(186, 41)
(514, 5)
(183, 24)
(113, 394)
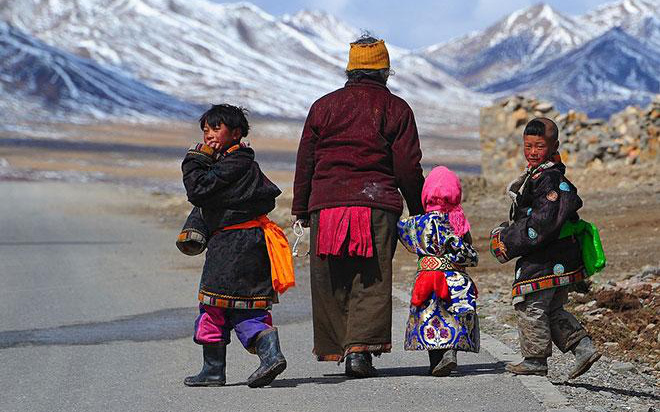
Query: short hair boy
(543, 200)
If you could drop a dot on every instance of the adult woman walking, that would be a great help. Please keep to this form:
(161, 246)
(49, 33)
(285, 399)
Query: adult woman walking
(358, 149)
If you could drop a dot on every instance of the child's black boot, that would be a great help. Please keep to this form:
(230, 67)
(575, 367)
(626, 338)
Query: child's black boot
(443, 361)
(213, 370)
(585, 356)
(273, 363)
(529, 366)
(358, 365)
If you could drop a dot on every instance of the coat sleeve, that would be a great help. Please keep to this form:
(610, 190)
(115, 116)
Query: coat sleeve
(460, 250)
(194, 234)
(205, 179)
(555, 201)
(406, 157)
(302, 185)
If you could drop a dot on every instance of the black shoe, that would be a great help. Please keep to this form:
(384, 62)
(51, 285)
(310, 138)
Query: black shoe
(272, 360)
(445, 364)
(213, 370)
(358, 365)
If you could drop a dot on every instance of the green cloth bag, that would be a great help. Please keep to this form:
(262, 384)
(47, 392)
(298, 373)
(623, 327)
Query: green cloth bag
(586, 233)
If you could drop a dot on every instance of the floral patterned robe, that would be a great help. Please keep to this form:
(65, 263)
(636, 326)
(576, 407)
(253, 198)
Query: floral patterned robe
(442, 324)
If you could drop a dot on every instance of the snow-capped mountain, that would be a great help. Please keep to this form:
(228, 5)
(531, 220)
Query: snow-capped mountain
(601, 77)
(202, 51)
(40, 77)
(625, 14)
(207, 52)
(535, 35)
(526, 36)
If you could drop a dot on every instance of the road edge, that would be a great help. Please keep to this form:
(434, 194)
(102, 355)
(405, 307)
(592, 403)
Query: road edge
(542, 389)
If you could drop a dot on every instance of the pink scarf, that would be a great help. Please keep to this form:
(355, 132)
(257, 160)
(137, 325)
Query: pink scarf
(442, 192)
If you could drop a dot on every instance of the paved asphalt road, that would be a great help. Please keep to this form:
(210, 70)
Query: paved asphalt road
(97, 308)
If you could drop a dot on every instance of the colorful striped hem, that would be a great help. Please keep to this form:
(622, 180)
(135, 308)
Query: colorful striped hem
(375, 349)
(228, 303)
(498, 248)
(548, 282)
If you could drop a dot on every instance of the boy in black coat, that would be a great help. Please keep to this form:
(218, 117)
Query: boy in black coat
(543, 200)
(231, 197)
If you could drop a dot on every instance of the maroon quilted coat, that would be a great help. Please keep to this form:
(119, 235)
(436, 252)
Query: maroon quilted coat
(359, 147)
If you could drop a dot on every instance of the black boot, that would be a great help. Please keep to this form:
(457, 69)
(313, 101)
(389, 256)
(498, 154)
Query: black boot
(358, 365)
(443, 361)
(272, 360)
(213, 371)
(435, 356)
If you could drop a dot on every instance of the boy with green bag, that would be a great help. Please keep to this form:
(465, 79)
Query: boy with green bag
(556, 251)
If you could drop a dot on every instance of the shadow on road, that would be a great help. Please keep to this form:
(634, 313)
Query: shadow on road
(168, 324)
(618, 391)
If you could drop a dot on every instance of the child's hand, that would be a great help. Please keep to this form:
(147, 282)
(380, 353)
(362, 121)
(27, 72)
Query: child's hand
(212, 143)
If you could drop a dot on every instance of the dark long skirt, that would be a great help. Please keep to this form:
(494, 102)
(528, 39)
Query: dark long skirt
(352, 296)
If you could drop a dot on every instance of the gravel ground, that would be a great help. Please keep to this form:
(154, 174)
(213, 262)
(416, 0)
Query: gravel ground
(610, 385)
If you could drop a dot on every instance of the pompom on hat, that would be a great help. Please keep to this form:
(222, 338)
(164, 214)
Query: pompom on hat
(442, 192)
(372, 56)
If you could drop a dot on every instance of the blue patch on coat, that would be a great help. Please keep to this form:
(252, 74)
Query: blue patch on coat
(558, 269)
(532, 233)
(565, 187)
(529, 211)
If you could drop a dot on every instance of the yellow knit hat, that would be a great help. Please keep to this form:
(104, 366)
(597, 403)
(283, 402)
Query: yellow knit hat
(368, 56)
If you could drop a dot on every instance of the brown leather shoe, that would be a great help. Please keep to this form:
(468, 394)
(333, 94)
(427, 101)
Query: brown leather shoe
(529, 366)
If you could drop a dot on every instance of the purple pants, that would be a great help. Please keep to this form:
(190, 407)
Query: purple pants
(214, 324)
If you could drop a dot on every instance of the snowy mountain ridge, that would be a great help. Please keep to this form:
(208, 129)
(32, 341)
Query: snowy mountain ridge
(276, 67)
(204, 52)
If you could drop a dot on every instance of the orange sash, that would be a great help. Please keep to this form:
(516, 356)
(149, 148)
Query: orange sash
(279, 252)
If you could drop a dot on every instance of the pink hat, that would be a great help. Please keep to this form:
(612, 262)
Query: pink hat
(442, 192)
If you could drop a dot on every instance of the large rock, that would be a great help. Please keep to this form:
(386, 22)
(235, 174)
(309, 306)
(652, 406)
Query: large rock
(630, 136)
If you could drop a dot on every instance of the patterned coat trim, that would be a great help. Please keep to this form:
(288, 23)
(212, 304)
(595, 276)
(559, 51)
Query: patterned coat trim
(425, 263)
(497, 247)
(548, 282)
(376, 349)
(234, 303)
(203, 150)
(191, 242)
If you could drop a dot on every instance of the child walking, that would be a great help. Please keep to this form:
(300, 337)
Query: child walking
(443, 311)
(549, 264)
(248, 260)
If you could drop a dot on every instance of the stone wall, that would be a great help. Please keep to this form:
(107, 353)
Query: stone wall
(630, 136)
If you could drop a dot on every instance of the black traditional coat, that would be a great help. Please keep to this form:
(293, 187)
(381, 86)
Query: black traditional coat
(227, 190)
(543, 201)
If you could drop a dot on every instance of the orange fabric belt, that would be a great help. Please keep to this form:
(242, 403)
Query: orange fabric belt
(279, 252)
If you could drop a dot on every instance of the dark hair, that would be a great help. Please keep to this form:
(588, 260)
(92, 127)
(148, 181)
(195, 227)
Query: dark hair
(231, 116)
(379, 75)
(537, 127)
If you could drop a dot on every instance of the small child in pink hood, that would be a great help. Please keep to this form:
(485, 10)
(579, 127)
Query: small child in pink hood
(443, 311)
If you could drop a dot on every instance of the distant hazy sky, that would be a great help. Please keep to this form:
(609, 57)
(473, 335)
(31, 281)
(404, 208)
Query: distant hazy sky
(419, 23)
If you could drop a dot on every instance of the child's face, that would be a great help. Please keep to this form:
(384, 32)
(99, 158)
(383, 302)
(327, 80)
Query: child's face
(221, 137)
(538, 149)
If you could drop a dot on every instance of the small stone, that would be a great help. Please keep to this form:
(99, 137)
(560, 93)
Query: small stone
(611, 344)
(593, 408)
(650, 326)
(638, 407)
(543, 107)
(657, 366)
(622, 367)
